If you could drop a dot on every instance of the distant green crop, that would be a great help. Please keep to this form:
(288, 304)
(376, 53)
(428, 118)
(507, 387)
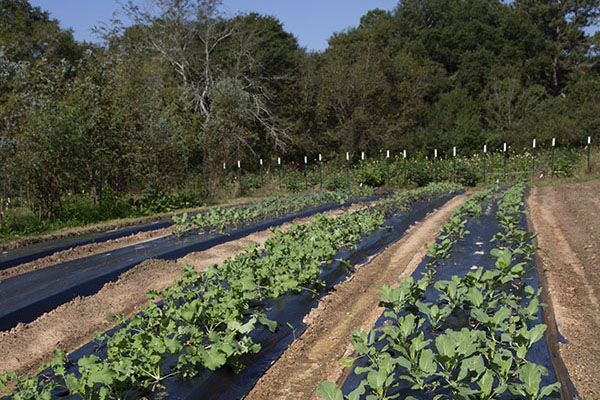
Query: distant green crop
(220, 219)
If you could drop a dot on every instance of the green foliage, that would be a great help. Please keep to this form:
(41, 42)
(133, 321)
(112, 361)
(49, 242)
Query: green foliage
(206, 320)
(78, 210)
(28, 33)
(152, 111)
(482, 357)
(420, 171)
(403, 200)
(219, 219)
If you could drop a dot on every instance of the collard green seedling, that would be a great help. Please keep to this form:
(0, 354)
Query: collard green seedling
(485, 359)
(206, 320)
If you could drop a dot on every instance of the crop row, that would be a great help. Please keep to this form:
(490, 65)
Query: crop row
(454, 229)
(403, 200)
(219, 219)
(471, 342)
(205, 320)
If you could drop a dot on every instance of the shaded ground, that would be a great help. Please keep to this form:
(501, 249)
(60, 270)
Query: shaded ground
(72, 324)
(314, 356)
(566, 219)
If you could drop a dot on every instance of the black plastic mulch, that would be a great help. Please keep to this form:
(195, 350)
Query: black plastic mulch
(25, 297)
(21, 255)
(470, 252)
(288, 309)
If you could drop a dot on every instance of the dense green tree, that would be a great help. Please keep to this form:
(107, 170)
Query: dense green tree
(186, 88)
(27, 33)
(560, 27)
(206, 50)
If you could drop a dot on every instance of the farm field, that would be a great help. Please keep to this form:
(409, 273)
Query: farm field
(72, 324)
(211, 199)
(564, 217)
(353, 303)
(51, 251)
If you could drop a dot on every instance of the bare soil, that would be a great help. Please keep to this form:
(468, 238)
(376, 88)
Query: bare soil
(25, 347)
(314, 356)
(87, 250)
(566, 219)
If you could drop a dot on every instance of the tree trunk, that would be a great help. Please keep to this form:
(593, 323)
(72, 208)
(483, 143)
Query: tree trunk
(555, 66)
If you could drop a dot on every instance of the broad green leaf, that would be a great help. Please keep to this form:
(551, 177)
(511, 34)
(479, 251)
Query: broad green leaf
(445, 345)
(485, 382)
(347, 362)
(536, 333)
(426, 362)
(358, 392)
(531, 375)
(329, 391)
(550, 390)
(376, 379)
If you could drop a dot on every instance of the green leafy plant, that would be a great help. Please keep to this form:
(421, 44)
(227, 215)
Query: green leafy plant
(487, 355)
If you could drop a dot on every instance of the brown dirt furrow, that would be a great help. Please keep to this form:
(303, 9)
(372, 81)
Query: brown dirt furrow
(73, 324)
(566, 219)
(314, 356)
(84, 251)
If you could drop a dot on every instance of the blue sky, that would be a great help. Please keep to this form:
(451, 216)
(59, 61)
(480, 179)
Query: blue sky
(311, 21)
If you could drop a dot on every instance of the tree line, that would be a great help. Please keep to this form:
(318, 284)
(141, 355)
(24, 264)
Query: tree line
(185, 88)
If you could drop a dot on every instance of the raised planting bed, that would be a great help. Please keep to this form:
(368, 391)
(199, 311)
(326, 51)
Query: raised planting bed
(226, 315)
(218, 219)
(25, 297)
(466, 325)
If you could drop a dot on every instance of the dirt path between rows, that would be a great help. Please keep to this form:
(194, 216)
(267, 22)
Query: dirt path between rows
(25, 347)
(87, 250)
(566, 219)
(352, 304)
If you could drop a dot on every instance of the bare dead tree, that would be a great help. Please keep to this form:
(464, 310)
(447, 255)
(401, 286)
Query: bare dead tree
(188, 35)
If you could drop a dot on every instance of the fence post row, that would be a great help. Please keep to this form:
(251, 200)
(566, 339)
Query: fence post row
(533, 160)
(387, 164)
(279, 171)
(454, 163)
(239, 165)
(321, 171)
(484, 159)
(435, 165)
(305, 177)
(404, 153)
(552, 162)
(589, 148)
(505, 156)
(362, 164)
(405, 165)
